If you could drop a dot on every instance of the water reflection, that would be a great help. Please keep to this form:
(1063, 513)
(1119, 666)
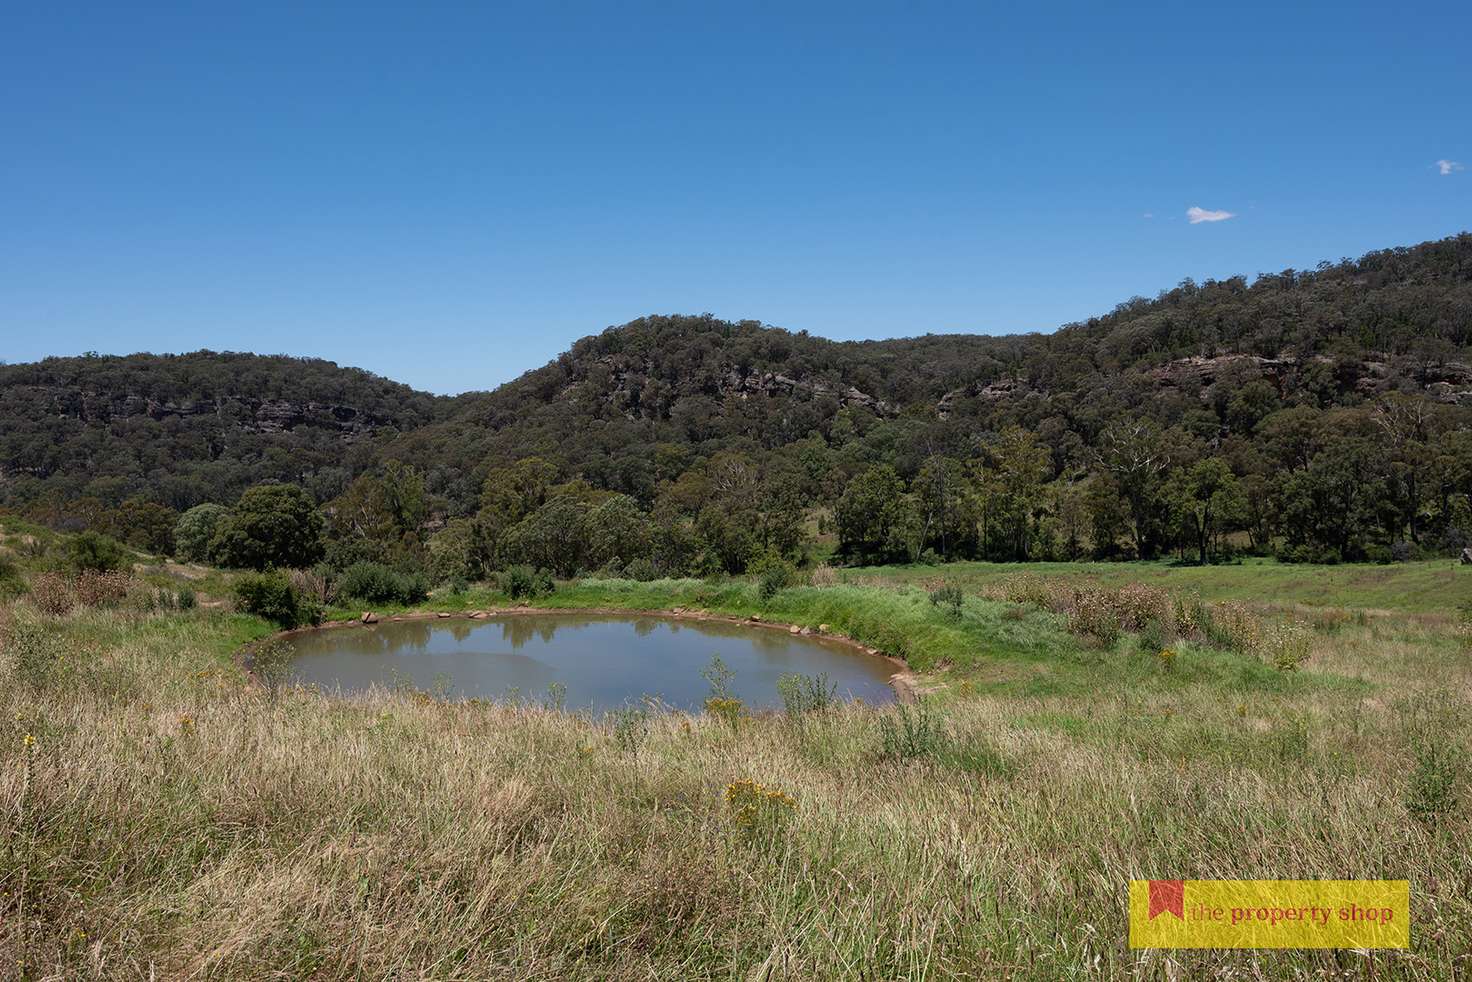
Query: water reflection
(602, 661)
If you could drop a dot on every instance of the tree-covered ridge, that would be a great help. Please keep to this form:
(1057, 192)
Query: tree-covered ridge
(1320, 414)
(181, 429)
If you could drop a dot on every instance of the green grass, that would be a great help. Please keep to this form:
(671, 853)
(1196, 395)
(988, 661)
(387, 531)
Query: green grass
(1429, 587)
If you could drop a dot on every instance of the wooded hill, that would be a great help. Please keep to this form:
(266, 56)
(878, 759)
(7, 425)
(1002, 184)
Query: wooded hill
(1336, 404)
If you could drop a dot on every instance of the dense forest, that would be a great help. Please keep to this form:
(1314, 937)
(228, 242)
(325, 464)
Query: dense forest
(1320, 415)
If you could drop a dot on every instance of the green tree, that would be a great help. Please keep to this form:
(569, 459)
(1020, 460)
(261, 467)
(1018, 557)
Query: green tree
(145, 525)
(1014, 482)
(948, 507)
(617, 530)
(552, 537)
(509, 495)
(1207, 502)
(194, 530)
(1137, 456)
(380, 515)
(871, 514)
(272, 525)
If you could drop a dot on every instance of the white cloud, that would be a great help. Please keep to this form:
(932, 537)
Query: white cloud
(1196, 215)
(1445, 167)
(1149, 214)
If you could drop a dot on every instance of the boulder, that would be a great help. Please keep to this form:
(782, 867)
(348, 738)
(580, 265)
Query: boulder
(442, 614)
(1467, 556)
(794, 629)
(369, 617)
(823, 628)
(477, 615)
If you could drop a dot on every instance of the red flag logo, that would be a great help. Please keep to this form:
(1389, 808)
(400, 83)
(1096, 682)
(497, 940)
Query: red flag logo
(1168, 895)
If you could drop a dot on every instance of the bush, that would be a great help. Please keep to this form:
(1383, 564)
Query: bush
(102, 589)
(725, 709)
(641, 569)
(271, 595)
(187, 599)
(91, 552)
(1157, 635)
(52, 594)
(523, 582)
(271, 665)
(803, 694)
(759, 811)
(630, 727)
(376, 583)
(950, 598)
(1094, 616)
(1433, 789)
(824, 575)
(33, 650)
(912, 732)
(12, 584)
(774, 574)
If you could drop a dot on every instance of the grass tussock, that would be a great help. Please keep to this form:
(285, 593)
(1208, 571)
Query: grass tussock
(162, 813)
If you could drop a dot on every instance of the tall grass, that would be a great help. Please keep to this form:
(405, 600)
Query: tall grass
(168, 818)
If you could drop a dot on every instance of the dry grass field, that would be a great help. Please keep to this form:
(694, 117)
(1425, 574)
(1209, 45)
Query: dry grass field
(164, 815)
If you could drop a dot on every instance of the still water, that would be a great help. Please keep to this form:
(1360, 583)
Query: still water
(602, 662)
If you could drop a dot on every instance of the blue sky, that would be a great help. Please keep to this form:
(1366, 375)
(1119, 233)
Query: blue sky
(450, 194)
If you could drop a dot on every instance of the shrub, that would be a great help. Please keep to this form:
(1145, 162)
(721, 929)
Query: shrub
(52, 594)
(641, 569)
(1285, 646)
(950, 598)
(271, 665)
(803, 694)
(1433, 789)
(376, 583)
(824, 575)
(1028, 588)
(318, 584)
(1193, 616)
(759, 811)
(630, 727)
(102, 589)
(34, 652)
(718, 676)
(270, 595)
(187, 599)
(12, 584)
(91, 552)
(774, 574)
(1138, 604)
(911, 732)
(725, 709)
(1157, 635)
(523, 582)
(1232, 625)
(1094, 616)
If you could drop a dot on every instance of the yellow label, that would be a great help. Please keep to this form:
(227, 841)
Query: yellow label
(1270, 913)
